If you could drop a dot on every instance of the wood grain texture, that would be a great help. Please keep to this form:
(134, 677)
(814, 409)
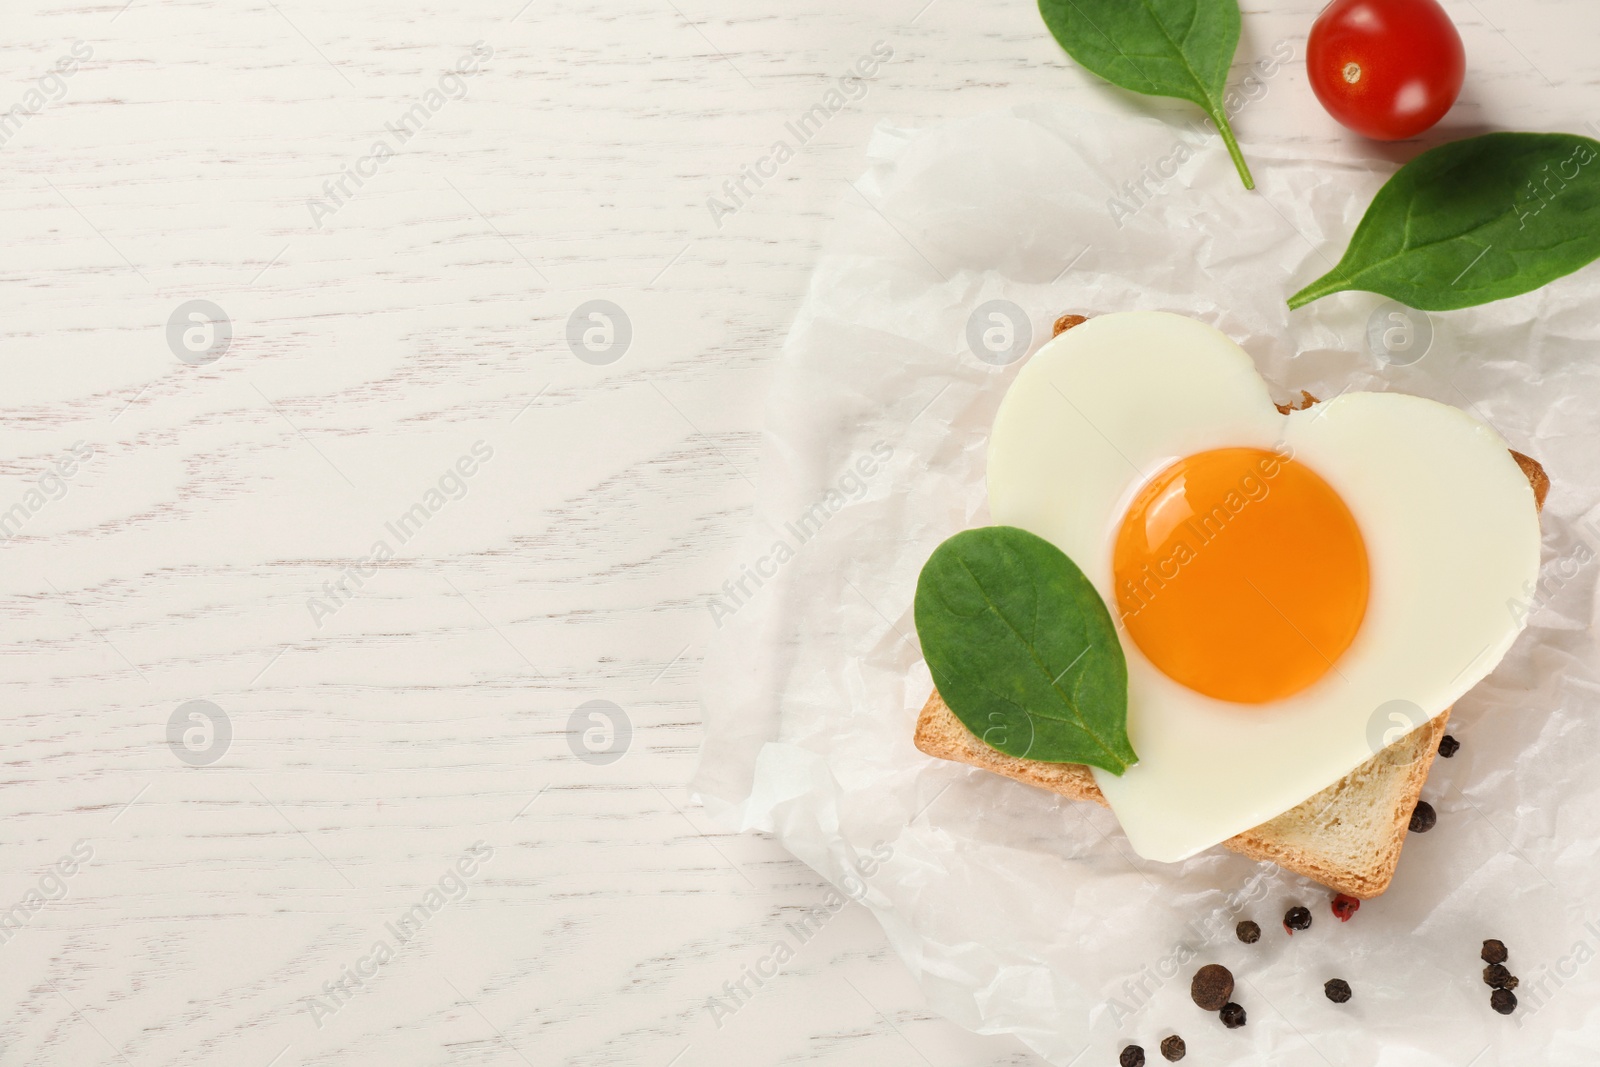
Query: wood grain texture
(373, 347)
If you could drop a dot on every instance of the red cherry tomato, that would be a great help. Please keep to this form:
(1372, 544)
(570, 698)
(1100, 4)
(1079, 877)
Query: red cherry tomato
(1387, 69)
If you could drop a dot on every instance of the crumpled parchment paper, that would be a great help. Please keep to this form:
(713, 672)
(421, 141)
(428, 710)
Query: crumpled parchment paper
(1021, 912)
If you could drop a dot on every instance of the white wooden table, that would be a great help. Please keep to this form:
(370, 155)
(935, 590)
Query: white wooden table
(395, 533)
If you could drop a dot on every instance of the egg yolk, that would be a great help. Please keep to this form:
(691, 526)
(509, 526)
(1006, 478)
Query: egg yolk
(1241, 574)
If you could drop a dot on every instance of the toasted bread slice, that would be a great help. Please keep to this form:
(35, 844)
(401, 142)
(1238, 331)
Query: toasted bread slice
(1347, 837)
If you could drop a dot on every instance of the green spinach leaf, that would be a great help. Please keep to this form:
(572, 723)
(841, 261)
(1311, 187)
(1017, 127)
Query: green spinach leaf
(1179, 48)
(1475, 221)
(1023, 649)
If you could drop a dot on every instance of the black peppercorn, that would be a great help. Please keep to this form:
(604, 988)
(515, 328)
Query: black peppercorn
(1423, 818)
(1212, 986)
(1337, 990)
(1248, 932)
(1297, 918)
(1503, 1001)
(1497, 976)
(1448, 746)
(1494, 951)
(1233, 1015)
(1132, 1056)
(1173, 1048)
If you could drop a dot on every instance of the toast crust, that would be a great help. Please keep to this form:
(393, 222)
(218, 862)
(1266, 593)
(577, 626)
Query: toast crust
(1289, 840)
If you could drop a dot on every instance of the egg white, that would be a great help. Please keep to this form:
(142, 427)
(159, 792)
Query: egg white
(1449, 521)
